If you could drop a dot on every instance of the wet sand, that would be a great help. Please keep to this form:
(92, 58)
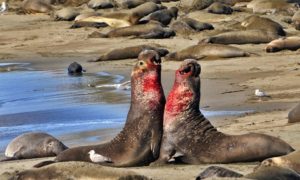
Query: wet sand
(227, 84)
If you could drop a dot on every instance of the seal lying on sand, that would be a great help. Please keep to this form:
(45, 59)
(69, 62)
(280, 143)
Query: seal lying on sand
(219, 8)
(209, 51)
(189, 133)
(65, 14)
(146, 31)
(273, 6)
(139, 141)
(290, 43)
(163, 16)
(291, 161)
(134, 3)
(296, 20)
(129, 53)
(294, 114)
(263, 173)
(100, 4)
(186, 26)
(242, 37)
(33, 145)
(36, 6)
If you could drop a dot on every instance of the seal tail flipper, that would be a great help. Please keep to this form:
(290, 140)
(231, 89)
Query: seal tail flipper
(44, 163)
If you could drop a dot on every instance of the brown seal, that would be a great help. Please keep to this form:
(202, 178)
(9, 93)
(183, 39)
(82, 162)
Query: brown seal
(129, 53)
(187, 26)
(219, 8)
(290, 43)
(296, 20)
(33, 145)
(101, 4)
(139, 141)
(36, 6)
(65, 14)
(274, 6)
(189, 133)
(163, 16)
(242, 37)
(291, 161)
(294, 114)
(208, 51)
(134, 3)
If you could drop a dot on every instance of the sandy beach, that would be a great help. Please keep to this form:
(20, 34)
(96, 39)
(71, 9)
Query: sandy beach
(227, 84)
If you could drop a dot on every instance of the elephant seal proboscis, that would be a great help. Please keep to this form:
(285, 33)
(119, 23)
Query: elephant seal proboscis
(188, 133)
(33, 145)
(139, 141)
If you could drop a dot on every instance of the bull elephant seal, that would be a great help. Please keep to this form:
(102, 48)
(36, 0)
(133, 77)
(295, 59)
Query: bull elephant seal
(163, 16)
(129, 53)
(209, 51)
(36, 6)
(219, 8)
(262, 173)
(242, 37)
(66, 14)
(147, 31)
(139, 141)
(33, 145)
(290, 43)
(189, 133)
(291, 161)
(296, 20)
(294, 114)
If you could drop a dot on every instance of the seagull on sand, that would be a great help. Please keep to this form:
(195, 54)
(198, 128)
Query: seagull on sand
(260, 93)
(98, 158)
(3, 7)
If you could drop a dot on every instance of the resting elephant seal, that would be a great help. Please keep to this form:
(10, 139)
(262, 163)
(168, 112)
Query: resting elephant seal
(129, 53)
(36, 6)
(146, 31)
(189, 133)
(186, 26)
(242, 37)
(134, 3)
(163, 16)
(294, 114)
(219, 8)
(66, 14)
(290, 43)
(139, 142)
(296, 20)
(33, 145)
(262, 173)
(273, 6)
(100, 4)
(209, 51)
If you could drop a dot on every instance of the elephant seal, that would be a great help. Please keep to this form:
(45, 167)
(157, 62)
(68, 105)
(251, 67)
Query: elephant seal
(128, 4)
(36, 6)
(290, 43)
(147, 31)
(100, 4)
(296, 20)
(65, 14)
(273, 6)
(33, 145)
(291, 161)
(163, 16)
(187, 132)
(186, 26)
(75, 69)
(242, 37)
(294, 114)
(263, 173)
(139, 141)
(219, 8)
(209, 51)
(255, 22)
(129, 53)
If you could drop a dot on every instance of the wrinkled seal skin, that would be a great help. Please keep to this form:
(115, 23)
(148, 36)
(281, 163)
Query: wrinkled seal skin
(139, 141)
(189, 133)
(294, 114)
(33, 145)
(290, 43)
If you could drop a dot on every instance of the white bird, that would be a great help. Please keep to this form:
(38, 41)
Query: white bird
(260, 93)
(98, 158)
(3, 7)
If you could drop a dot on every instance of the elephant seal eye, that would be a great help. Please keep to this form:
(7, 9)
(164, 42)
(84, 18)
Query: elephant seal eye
(141, 63)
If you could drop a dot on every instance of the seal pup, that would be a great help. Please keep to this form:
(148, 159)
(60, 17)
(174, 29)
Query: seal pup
(208, 51)
(294, 114)
(36, 6)
(242, 37)
(163, 16)
(129, 53)
(290, 43)
(75, 69)
(139, 142)
(33, 145)
(189, 133)
(219, 8)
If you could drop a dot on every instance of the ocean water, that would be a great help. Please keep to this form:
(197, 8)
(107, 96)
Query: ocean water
(56, 103)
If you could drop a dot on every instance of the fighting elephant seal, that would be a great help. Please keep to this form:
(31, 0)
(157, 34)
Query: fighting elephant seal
(294, 114)
(36, 6)
(139, 141)
(290, 43)
(188, 133)
(129, 53)
(209, 51)
(242, 37)
(33, 145)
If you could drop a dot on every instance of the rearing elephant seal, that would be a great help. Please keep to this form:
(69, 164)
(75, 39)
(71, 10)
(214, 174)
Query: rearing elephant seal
(139, 141)
(188, 132)
(33, 145)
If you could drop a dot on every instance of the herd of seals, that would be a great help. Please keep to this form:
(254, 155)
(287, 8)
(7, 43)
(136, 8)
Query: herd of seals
(157, 130)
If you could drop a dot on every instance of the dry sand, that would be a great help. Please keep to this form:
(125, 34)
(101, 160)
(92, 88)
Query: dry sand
(226, 84)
